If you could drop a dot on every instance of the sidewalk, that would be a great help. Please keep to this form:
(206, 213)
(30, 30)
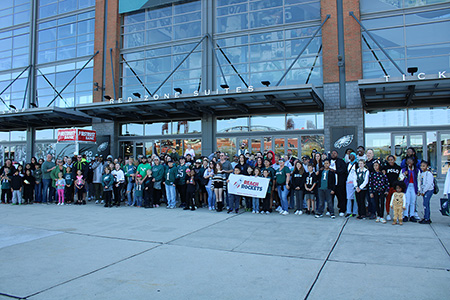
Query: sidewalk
(92, 252)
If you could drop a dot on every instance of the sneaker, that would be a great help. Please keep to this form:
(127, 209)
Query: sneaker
(296, 212)
(256, 212)
(210, 208)
(300, 212)
(388, 217)
(328, 213)
(361, 218)
(341, 214)
(237, 211)
(308, 212)
(372, 217)
(333, 217)
(413, 219)
(377, 220)
(405, 219)
(253, 211)
(348, 215)
(285, 213)
(102, 202)
(230, 210)
(267, 212)
(318, 216)
(96, 202)
(279, 208)
(383, 221)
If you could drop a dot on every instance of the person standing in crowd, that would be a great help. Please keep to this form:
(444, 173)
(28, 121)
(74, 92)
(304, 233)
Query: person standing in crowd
(37, 173)
(119, 179)
(54, 175)
(170, 177)
(283, 176)
(371, 207)
(60, 185)
(291, 157)
(189, 151)
(130, 174)
(227, 168)
(98, 170)
(298, 186)
(327, 185)
(6, 186)
(138, 192)
(9, 165)
(33, 163)
(255, 202)
(350, 186)
(208, 175)
(338, 166)
(174, 155)
(346, 156)
(202, 182)
(361, 153)
(28, 187)
(410, 172)
(218, 183)
(48, 192)
(235, 161)
(242, 150)
(234, 199)
(69, 188)
(446, 192)
(266, 201)
(148, 184)
(361, 184)
(426, 189)
(271, 157)
(108, 183)
(410, 153)
(190, 189)
(392, 171)
(158, 175)
(80, 188)
(16, 188)
(180, 182)
(378, 189)
(310, 187)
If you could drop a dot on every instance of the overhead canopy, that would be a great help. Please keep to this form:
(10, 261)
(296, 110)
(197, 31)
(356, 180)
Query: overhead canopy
(45, 116)
(428, 91)
(218, 103)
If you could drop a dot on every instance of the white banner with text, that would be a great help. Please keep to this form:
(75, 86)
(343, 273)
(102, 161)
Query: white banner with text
(248, 186)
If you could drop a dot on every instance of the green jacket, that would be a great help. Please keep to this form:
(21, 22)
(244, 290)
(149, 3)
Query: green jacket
(54, 175)
(181, 175)
(45, 166)
(171, 175)
(158, 172)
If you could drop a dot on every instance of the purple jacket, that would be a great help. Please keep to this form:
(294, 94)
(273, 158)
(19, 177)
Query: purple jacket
(414, 174)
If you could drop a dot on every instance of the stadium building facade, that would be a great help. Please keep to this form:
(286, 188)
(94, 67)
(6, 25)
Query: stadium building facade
(216, 74)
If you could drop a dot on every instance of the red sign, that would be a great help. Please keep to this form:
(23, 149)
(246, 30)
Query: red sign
(87, 135)
(67, 135)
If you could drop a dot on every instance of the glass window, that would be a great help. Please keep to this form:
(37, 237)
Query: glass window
(196, 145)
(227, 145)
(232, 125)
(4, 136)
(45, 134)
(429, 116)
(132, 129)
(183, 127)
(304, 121)
(267, 123)
(311, 142)
(380, 143)
(390, 118)
(18, 135)
(158, 128)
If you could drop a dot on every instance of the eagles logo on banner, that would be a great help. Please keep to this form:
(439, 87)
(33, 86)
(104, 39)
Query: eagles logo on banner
(248, 186)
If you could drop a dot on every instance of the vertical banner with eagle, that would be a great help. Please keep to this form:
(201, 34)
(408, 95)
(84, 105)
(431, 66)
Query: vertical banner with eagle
(343, 138)
(248, 186)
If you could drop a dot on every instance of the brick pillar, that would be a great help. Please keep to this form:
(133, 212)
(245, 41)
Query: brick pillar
(352, 32)
(329, 42)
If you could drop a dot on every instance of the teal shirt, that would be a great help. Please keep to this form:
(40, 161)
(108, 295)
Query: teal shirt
(69, 179)
(171, 175)
(45, 167)
(324, 180)
(281, 175)
(181, 175)
(158, 172)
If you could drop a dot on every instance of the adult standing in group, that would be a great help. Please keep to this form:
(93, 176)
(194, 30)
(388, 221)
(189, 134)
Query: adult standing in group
(190, 151)
(283, 176)
(48, 192)
(82, 165)
(180, 182)
(9, 165)
(392, 171)
(339, 167)
(242, 164)
(226, 169)
(130, 173)
(411, 153)
(98, 168)
(158, 175)
(371, 208)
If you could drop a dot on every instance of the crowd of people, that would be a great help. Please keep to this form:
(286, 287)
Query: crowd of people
(363, 186)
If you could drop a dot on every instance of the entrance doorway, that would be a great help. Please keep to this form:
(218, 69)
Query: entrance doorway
(402, 141)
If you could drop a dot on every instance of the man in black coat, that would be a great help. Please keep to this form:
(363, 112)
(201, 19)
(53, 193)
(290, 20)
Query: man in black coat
(339, 167)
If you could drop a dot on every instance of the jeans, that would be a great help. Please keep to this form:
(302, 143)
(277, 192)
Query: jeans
(46, 188)
(351, 199)
(38, 192)
(234, 201)
(211, 197)
(255, 204)
(283, 196)
(325, 196)
(16, 197)
(130, 187)
(137, 200)
(426, 204)
(298, 199)
(171, 195)
(410, 196)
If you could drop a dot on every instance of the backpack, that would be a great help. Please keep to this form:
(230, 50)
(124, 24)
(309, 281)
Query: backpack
(436, 188)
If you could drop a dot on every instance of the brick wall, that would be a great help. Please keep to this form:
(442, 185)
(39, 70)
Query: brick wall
(329, 42)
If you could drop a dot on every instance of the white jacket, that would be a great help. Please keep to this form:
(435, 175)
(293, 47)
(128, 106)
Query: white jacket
(447, 184)
(425, 182)
(351, 169)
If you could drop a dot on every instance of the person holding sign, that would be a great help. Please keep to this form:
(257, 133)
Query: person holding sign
(234, 199)
(283, 176)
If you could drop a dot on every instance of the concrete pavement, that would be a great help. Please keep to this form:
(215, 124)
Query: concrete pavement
(91, 252)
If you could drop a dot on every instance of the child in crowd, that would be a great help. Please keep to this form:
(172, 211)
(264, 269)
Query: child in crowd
(255, 202)
(60, 186)
(361, 182)
(426, 189)
(190, 189)
(16, 188)
(392, 171)
(327, 185)
(138, 191)
(68, 189)
(79, 188)
(398, 203)
(218, 183)
(378, 188)
(148, 183)
(6, 187)
(107, 182)
(208, 175)
(266, 200)
(28, 186)
(234, 199)
(38, 183)
(310, 185)
(298, 186)
(410, 172)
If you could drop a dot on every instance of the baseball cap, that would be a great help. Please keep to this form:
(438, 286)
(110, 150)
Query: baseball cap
(198, 161)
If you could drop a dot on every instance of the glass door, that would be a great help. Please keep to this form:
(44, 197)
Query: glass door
(445, 153)
(402, 141)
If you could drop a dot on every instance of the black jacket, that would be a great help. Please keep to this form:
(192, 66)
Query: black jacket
(298, 180)
(16, 182)
(331, 180)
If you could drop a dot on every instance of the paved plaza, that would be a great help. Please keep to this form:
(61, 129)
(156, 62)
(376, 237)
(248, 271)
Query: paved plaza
(91, 252)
